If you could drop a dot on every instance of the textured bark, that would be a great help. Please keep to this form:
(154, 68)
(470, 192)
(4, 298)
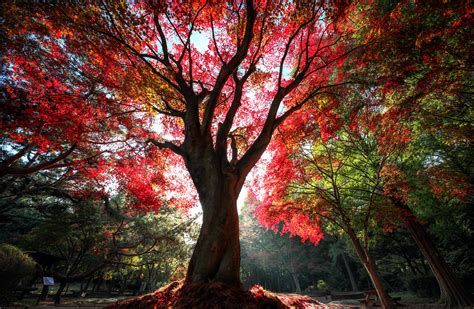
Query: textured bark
(369, 265)
(216, 256)
(452, 292)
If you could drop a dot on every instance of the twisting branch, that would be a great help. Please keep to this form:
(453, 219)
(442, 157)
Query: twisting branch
(164, 44)
(310, 96)
(290, 41)
(227, 69)
(167, 145)
(12, 159)
(141, 56)
(20, 171)
(233, 146)
(170, 111)
(224, 128)
(215, 42)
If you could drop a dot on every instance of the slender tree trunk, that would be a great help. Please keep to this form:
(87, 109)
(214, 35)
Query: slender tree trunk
(349, 272)
(137, 286)
(296, 282)
(452, 292)
(369, 265)
(57, 298)
(278, 282)
(402, 253)
(295, 278)
(294, 275)
(86, 286)
(43, 295)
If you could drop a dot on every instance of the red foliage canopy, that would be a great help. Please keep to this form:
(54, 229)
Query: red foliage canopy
(108, 79)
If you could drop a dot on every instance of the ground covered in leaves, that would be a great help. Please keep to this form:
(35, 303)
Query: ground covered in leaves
(214, 295)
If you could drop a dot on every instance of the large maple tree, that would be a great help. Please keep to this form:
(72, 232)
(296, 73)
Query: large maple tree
(214, 109)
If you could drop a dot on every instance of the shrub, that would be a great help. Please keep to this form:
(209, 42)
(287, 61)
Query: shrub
(321, 285)
(15, 266)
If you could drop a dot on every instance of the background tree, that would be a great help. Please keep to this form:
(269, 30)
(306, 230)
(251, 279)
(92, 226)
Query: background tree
(393, 144)
(89, 235)
(426, 81)
(17, 267)
(284, 264)
(337, 184)
(425, 85)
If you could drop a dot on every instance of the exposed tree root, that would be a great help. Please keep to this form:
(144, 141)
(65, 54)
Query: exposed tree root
(214, 295)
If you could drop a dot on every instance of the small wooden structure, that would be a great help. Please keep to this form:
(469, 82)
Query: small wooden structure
(372, 300)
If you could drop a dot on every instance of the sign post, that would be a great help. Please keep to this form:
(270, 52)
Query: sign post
(47, 282)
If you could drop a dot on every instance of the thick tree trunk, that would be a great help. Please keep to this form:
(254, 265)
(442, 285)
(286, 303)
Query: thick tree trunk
(369, 265)
(218, 180)
(349, 273)
(452, 292)
(216, 256)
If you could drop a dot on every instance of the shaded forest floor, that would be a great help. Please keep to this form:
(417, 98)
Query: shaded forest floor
(213, 295)
(96, 303)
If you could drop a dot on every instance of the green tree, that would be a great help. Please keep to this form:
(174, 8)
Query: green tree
(16, 267)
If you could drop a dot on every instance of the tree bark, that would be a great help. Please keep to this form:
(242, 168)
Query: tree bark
(452, 292)
(216, 256)
(369, 265)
